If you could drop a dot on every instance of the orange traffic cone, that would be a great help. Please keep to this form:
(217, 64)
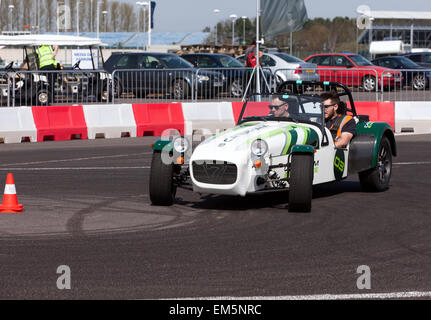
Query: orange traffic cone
(10, 200)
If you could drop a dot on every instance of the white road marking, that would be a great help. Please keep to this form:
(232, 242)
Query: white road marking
(76, 159)
(71, 168)
(390, 295)
(411, 163)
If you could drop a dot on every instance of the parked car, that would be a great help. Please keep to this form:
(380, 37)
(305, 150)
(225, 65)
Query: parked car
(421, 58)
(338, 67)
(286, 67)
(413, 74)
(237, 77)
(160, 73)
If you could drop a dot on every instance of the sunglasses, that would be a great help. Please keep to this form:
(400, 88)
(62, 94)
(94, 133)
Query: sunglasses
(271, 106)
(328, 105)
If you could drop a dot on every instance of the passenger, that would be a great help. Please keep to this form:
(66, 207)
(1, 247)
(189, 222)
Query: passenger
(279, 108)
(342, 126)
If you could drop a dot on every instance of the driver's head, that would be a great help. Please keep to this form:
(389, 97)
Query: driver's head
(278, 108)
(331, 103)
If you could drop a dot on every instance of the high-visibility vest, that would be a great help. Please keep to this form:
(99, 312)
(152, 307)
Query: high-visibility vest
(45, 54)
(337, 126)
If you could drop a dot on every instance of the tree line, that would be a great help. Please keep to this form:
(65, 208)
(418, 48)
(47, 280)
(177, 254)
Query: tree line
(120, 17)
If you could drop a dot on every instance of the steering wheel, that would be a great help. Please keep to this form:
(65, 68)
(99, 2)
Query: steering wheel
(9, 67)
(76, 65)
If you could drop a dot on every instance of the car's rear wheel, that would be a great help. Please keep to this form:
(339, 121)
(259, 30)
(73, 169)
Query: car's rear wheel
(369, 83)
(162, 188)
(419, 81)
(377, 179)
(301, 183)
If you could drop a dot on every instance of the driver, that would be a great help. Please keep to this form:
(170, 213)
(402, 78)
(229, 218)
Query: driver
(278, 108)
(342, 126)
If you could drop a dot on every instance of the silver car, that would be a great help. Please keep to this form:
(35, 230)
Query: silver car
(286, 67)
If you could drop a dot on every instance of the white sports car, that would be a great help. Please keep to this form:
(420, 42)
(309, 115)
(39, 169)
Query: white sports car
(267, 153)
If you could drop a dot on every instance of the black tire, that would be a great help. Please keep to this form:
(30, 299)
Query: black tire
(180, 89)
(162, 188)
(419, 81)
(301, 183)
(41, 98)
(369, 83)
(236, 88)
(377, 179)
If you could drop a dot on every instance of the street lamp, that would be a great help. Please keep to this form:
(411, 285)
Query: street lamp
(104, 12)
(233, 17)
(97, 18)
(141, 4)
(77, 17)
(144, 3)
(216, 12)
(11, 7)
(243, 28)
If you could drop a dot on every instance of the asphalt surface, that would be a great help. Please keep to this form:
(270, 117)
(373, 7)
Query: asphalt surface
(86, 206)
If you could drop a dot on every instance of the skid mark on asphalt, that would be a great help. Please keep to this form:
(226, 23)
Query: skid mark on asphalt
(75, 159)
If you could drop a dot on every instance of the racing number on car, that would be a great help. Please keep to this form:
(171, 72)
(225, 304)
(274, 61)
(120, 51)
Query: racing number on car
(339, 164)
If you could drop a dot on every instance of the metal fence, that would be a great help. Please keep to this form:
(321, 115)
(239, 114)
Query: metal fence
(164, 85)
(415, 86)
(36, 88)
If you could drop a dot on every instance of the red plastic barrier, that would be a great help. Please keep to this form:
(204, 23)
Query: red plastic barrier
(154, 118)
(253, 109)
(60, 123)
(378, 111)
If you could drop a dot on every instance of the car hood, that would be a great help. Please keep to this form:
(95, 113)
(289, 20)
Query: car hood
(236, 142)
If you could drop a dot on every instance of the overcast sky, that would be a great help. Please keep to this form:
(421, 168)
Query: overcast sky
(194, 15)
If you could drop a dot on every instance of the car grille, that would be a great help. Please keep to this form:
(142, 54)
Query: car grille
(211, 172)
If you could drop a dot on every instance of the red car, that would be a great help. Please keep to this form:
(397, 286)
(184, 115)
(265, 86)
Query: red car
(354, 70)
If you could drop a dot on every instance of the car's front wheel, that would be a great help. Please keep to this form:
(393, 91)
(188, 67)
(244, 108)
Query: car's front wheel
(42, 97)
(162, 188)
(377, 179)
(236, 88)
(301, 183)
(369, 83)
(180, 89)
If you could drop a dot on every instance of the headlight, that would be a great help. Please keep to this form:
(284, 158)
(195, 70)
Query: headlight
(181, 145)
(203, 78)
(387, 75)
(223, 77)
(259, 147)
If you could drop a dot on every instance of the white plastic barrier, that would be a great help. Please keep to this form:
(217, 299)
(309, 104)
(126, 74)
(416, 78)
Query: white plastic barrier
(16, 125)
(110, 121)
(413, 116)
(208, 117)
